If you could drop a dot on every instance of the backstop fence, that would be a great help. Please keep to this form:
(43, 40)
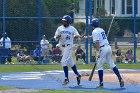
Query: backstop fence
(25, 21)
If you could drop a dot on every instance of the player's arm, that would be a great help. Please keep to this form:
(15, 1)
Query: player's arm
(57, 34)
(57, 37)
(77, 36)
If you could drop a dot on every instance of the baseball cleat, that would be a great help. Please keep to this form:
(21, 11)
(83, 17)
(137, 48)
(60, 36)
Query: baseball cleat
(121, 83)
(100, 86)
(78, 79)
(66, 81)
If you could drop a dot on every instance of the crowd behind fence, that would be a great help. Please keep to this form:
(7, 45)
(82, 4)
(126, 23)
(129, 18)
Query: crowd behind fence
(29, 47)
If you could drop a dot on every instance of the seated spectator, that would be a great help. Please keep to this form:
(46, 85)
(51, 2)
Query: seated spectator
(129, 56)
(36, 54)
(56, 54)
(80, 53)
(119, 56)
(21, 57)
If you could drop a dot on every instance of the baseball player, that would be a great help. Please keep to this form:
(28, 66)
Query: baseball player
(103, 51)
(66, 34)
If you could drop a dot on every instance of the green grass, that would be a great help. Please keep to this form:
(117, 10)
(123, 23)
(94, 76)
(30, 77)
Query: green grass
(24, 68)
(4, 88)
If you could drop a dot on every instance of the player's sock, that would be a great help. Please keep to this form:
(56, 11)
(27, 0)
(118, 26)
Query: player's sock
(116, 71)
(100, 73)
(65, 68)
(75, 70)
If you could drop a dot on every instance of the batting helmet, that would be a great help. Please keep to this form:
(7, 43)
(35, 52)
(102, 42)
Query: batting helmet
(67, 18)
(95, 22)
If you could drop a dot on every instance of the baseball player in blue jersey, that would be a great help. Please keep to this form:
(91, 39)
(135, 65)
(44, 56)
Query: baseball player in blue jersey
(66, 35)
(104, 52)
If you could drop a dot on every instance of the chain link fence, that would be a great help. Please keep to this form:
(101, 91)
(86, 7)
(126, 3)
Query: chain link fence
(25, 21)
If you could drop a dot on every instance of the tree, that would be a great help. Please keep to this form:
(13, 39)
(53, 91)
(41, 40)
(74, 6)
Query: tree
(115, 28)
(26, 29)
(58, 8)
(101, 12)
(80, 26)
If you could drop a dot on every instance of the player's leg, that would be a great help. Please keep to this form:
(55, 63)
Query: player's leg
(66, 80)
(64, 63)
(113, 66)
(100, 62)
(73, 66)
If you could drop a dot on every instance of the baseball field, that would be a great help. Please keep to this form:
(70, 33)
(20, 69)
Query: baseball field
(10, 69)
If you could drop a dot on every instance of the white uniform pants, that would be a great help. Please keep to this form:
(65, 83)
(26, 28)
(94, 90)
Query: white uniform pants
(105, 55)
(67, 56)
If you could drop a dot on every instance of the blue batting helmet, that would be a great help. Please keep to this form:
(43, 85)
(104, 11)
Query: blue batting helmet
(67, 18)
(95, 22)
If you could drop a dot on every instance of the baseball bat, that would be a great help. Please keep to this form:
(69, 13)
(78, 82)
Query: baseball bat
(92, 72)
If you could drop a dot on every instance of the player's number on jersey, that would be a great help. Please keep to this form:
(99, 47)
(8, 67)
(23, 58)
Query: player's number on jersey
(67, 37)
(103, 35)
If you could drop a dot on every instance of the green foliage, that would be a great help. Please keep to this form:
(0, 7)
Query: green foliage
(4, 88)
(115, 28)
(80, 26)
(27, 29)
(101, 12)
(22, 29)
(138, 24)
(125, 25)
(58, 8)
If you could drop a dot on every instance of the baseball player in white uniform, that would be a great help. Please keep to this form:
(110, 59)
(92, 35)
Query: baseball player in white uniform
(104, 52)
(66, 34)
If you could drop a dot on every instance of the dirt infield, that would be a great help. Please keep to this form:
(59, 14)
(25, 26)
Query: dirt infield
(129, 77)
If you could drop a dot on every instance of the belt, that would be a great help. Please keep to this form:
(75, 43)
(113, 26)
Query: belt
(103, 45)
(65, 45)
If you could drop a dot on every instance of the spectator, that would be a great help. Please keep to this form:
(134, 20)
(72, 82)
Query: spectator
(80, 53)
(21, 57)
(119, 56)
(44, 47)
(36, 54)
(129, 56)
(56, 54)
(6, 43)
